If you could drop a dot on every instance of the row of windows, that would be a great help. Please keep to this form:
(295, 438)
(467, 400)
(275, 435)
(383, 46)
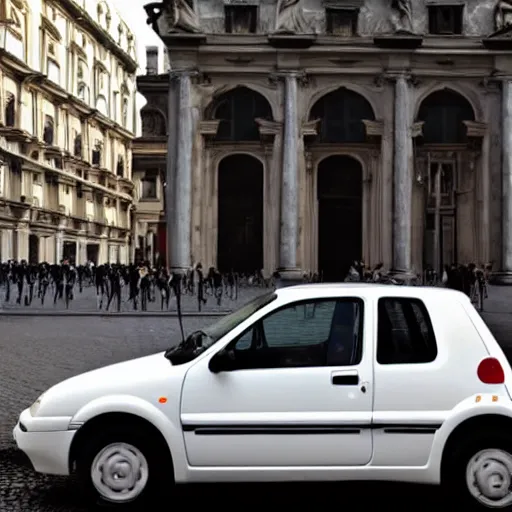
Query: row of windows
(341, 115)
(442, 20)
(331, 333)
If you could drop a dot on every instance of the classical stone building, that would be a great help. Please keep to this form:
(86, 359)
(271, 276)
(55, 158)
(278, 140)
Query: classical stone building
(305, 134)
(149, 164)
(67, 92)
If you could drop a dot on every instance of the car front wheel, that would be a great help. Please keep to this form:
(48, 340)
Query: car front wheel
(121, 468)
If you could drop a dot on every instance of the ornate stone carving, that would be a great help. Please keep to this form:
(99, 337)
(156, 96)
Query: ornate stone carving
(153, 124)
(503, 14)
(268, 129)
(310, 128)
(154, 11)
(290, 18)
(182, 17)
(417, 129)
(374, 129)
(401, 16)
(209, 128)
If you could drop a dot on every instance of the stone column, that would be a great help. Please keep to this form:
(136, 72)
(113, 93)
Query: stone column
(403, 174)
(505, 274)
(59, 247)
(7, 241)
(289, 226)
(179, 171)
(22, 234)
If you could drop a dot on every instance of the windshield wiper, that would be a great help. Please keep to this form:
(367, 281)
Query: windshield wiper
(196, 343)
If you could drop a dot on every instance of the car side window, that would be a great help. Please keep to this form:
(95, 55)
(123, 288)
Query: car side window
(304, 334)
(404, 334)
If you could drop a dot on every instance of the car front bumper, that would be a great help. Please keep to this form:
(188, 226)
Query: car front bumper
(45, 442)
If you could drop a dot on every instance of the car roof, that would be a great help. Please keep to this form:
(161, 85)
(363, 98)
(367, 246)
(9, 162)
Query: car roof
(316, 290)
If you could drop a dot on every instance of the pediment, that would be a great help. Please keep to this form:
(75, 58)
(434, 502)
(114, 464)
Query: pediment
(47, 25)
(78, 50)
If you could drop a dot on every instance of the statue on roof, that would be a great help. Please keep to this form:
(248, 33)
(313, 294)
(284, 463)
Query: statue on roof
(290, 17)
(180, 15)
(401, 16)
(503, 14)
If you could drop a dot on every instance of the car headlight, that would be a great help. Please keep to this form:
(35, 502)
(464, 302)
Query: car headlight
(35, 406)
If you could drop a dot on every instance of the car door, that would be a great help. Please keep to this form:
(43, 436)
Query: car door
(299, 394)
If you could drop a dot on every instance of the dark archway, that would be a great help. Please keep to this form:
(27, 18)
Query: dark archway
(33, 249)
(240, 214)
(237, 110)
(340, 215)
(341, 115)
(69, 251)
(443, 113)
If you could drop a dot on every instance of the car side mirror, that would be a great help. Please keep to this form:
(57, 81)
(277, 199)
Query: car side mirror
(223, 361)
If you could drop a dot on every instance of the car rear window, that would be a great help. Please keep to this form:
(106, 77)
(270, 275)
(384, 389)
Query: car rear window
(405, 334)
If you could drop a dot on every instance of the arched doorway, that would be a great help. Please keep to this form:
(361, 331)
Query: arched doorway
(448, 223)
(340, 215)
(33, 249)
(240, 214)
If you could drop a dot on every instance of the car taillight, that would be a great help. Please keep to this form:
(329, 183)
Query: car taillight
(490, 371)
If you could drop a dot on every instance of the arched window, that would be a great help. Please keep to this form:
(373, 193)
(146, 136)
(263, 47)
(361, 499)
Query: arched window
(83, 92)
(102, 105)
(443, 113)
(341, 115)
(237, 111)
(124, 113)
(10, 110)
(48, 132)
(77, 145)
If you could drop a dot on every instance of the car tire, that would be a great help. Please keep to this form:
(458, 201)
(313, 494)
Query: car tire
(123, 467)
(479, 473)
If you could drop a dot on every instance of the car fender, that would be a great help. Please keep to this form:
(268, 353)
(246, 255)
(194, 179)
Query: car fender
(160, 417)
(471, 407)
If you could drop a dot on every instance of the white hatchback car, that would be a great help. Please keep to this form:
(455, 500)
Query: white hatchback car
(312, 382)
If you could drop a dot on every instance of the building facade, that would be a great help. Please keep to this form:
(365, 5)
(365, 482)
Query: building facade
(306, 134)
(68, 117)
(149, 165)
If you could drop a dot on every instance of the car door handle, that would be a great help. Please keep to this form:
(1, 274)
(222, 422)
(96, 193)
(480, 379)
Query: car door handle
(345, 379)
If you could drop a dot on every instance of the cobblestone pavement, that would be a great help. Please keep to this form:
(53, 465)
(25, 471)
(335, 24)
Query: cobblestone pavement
(86, 302)
(37, 352)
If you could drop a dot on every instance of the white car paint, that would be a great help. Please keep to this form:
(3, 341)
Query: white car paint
(414, 406)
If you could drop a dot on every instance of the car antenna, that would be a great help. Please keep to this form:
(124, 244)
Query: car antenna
(176, 284)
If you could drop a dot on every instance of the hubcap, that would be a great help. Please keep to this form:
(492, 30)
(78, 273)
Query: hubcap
(489, 478)
(119, 472)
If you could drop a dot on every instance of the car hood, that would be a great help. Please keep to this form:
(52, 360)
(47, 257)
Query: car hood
(141, 377)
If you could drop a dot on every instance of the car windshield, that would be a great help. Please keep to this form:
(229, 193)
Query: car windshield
(198, 341)
(227, 323)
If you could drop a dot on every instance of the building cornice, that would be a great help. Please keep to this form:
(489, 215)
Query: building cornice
(66, 175)
(41, 82)
(84, 20)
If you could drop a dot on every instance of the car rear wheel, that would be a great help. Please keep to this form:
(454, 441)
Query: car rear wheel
(480, 474)
(122, 467)
(489, 478)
